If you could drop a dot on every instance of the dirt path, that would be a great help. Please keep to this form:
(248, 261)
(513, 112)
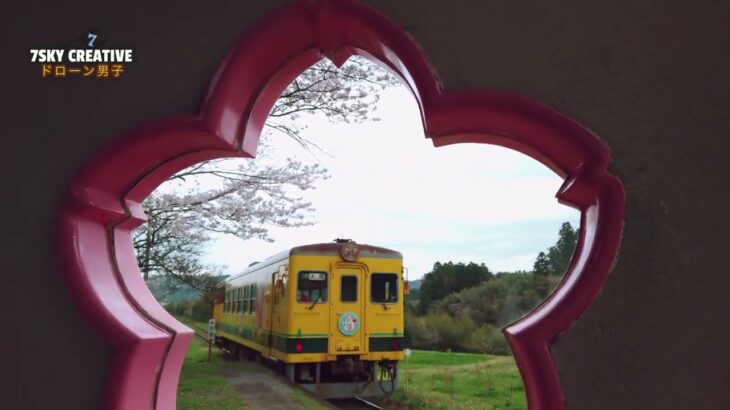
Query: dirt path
(261, 388)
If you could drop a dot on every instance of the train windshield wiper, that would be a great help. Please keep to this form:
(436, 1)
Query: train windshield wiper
(385, 306)
(313, 303)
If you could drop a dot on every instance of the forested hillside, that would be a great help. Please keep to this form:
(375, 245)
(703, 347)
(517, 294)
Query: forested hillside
(168, 291)
(463, 306)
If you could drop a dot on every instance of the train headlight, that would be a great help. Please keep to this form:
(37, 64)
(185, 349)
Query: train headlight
(299, 347)
(395, 345)
(349, 251)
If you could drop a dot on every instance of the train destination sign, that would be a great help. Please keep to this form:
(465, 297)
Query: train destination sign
(316, 276)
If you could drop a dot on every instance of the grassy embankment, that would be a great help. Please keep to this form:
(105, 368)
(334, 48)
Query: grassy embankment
(441, 380)
(203, 385)
(437, 380)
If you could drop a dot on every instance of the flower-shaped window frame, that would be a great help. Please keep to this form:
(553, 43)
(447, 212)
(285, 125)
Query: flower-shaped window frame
(104, 202)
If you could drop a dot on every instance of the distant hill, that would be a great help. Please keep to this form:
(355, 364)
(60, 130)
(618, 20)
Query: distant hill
(415, 284)
(165, 292)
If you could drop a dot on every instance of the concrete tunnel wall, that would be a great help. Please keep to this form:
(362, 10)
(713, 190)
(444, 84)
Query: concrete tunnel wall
(649, 77)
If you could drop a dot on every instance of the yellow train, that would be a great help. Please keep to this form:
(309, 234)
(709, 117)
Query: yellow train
(330, 314)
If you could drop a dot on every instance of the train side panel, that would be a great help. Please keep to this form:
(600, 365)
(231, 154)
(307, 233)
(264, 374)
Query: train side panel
(246, 316)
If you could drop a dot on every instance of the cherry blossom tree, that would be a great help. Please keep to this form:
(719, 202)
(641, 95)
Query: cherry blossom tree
(249, 196)
(241, 198)
(348, 94)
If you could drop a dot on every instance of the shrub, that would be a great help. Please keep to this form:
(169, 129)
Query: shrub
(440, 331)
(202, 310)
(452, 333)
(489, 339)
(419, 334)
(183, 308)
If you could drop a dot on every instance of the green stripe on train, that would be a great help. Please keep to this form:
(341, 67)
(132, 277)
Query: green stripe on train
(311, 343)
(385, 344)
(386, 334)
(233, 329)
(279, 341)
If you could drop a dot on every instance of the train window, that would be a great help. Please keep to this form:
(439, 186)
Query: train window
(348, 289)
(241, 300)
(384, 287)
(246, 291)
(311, 287)
(232, 303)
(252, 306)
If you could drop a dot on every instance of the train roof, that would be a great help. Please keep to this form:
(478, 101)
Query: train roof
(322, 249)
(333, 249)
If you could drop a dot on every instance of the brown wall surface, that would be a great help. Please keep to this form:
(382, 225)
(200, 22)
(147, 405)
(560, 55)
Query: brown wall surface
(650, 77)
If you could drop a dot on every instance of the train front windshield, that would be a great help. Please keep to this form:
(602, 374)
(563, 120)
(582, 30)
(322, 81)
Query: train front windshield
(384, 288)
(312, 287)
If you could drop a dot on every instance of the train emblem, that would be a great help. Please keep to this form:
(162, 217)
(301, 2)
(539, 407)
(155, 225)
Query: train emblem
(349, 323)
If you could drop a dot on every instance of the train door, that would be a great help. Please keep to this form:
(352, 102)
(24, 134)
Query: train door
(275, 306)
(269, 314)
(347, 332)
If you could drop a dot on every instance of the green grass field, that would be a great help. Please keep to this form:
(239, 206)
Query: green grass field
(442, 380)
(437, 380)
(202, 384)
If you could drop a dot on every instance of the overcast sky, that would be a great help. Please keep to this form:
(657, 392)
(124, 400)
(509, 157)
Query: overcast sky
(391, 187)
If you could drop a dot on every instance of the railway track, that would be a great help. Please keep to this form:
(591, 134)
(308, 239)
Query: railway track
(355, 403)
(369, 404)
(202, 333)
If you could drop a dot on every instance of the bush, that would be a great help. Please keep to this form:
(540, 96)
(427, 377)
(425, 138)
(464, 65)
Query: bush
(452, 333)
(409, 328)
(489, 339)
(418, 334)
(182, 308)
(202, 310)
(170, 308)
(440, 331)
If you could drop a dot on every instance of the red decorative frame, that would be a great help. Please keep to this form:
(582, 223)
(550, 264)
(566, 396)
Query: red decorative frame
(95, 224)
